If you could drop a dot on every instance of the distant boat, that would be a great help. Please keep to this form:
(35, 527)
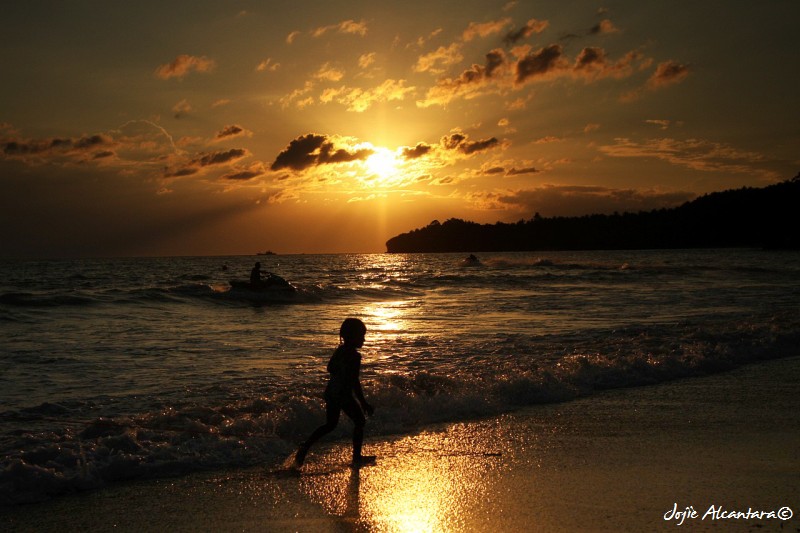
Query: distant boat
(268, 252)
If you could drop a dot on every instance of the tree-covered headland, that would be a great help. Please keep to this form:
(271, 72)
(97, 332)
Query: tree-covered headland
(765, 217)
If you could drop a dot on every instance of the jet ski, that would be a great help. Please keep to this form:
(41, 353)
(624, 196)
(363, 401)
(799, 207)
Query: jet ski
(269, 284)
(471, 260)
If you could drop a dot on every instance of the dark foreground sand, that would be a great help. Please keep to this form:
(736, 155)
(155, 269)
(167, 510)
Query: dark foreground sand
(617, 461)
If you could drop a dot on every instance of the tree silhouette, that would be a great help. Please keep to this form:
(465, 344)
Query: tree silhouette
(747, 217)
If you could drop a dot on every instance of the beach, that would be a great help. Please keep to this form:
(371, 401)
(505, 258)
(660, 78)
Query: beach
(621, 460)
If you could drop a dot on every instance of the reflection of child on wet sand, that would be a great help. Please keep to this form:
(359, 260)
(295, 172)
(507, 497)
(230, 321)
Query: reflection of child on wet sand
(343, 392)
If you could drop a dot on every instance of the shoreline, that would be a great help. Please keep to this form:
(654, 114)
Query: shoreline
(619, 460)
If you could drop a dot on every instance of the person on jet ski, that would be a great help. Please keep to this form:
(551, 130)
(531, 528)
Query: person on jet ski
(255, 276)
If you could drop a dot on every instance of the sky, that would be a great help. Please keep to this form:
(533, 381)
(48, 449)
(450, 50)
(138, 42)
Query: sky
(215, 128)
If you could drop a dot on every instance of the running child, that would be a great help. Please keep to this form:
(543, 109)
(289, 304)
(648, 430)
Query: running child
(343, 392)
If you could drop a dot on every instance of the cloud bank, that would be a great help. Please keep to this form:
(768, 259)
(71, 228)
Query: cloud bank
(572, 200)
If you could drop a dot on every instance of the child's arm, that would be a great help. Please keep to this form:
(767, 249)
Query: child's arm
(360, 397)
(359, 393)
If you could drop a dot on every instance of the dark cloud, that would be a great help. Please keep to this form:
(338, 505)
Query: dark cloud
(244, 175)
(458, 141)
(667, 73)
(514, 36)
(85, 143)
(254, 170)
(81, 147)
(206, 160)
(476, 73)
(221, 158)
(519, 171)
(494, 60)
(478, 146)
(418, 151)
(453, 141)
(16, 148)
(231, 131)
(62, 143)
(468, 82)
(328, 154)
(513, 171)
(300, 154)
(181, 172)
(539, 63)
(602, 27)
(589, 56)
(472, 75)
(592, 63)
(312, 150)
(531, 27)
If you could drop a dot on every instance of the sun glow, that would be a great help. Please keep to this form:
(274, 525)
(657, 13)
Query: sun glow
(384, 165)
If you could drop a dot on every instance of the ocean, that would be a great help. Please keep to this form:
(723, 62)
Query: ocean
(119, 369)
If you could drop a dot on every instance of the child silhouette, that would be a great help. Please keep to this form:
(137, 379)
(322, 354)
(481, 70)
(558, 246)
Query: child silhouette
(343, 392)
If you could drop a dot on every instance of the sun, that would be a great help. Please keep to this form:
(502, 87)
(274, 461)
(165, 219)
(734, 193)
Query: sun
(383, 163)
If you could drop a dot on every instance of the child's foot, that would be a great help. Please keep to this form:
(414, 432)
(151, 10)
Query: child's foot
(364, 460)
(300, 457)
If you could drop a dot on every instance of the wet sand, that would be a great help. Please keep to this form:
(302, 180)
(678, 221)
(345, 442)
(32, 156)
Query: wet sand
(617, 461)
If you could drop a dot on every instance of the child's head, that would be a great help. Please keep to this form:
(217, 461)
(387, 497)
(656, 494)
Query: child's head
(353, 331)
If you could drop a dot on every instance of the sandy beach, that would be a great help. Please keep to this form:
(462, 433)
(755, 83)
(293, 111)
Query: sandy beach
(617, 461)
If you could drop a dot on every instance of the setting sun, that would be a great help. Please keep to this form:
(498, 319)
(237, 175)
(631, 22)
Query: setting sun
(383, 163)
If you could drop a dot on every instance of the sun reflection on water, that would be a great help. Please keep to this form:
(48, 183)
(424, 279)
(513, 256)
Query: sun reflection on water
(414, 495)
(417, 486)
(388, 317)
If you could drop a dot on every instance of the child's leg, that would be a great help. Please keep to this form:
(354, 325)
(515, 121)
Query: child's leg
(332, 410)
(353, 410)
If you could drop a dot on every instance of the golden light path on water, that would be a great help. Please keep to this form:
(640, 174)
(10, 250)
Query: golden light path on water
(388, 317)
(419, 485)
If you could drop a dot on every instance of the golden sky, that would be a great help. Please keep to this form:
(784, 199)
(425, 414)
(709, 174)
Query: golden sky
(163, 128)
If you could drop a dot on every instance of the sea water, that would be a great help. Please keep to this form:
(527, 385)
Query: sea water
(115, 369)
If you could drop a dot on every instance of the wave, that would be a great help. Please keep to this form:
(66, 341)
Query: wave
(220, 293)
(52, 448)
(31, 299)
